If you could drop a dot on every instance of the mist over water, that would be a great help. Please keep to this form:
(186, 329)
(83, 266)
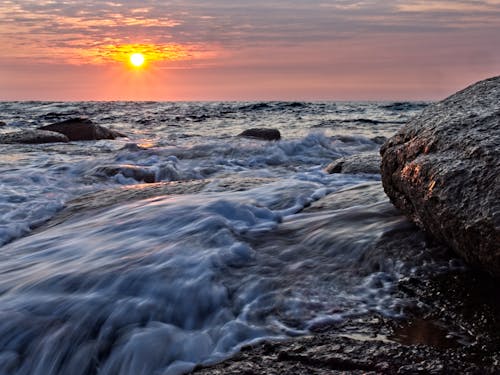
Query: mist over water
(140, 283)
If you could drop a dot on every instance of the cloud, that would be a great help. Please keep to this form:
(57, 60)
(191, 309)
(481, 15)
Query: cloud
(72, 30)
(455, 6)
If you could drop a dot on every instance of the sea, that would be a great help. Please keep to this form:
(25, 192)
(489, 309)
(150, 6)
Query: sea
(229, 242)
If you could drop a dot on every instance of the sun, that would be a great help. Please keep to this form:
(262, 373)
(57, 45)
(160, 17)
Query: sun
(137, 59)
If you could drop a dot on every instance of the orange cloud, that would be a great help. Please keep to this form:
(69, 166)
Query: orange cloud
(151, 52)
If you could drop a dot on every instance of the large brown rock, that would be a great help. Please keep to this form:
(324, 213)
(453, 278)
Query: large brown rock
(79, 129)
(442, 169)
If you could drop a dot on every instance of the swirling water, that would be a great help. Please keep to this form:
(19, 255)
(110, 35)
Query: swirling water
(156, 283)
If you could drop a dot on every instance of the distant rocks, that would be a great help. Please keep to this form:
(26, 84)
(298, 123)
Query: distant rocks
(359, 163)
(75, 129)
(32, 137)
(442, 170)
(80, 129)
(262, 133)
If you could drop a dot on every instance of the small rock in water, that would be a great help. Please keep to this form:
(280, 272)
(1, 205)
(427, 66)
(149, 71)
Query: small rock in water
(360, 163)
(380, 139)
(130, 171)
(33, 137)
(262, 133)
(2, 123)
(80, 129)
(442, 169)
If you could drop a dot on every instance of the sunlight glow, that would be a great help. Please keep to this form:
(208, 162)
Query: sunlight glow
(137, 59)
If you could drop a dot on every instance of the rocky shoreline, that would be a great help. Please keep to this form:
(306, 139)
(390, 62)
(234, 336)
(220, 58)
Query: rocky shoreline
(453, 327)
(442, 171)
(454, 331)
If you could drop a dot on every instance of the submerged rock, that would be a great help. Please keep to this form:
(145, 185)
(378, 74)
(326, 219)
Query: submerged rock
(442, 169)
(130, 171)
(80, 129)
(359, 163)
(379, 139)
(111, 197)
(33, 137)
(262, 133)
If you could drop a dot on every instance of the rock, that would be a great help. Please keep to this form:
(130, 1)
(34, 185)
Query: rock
(328, 354)
(359, 163)
(262, 133)
(362, 194)
(3, 123)
(442, 170)
(33, 137)
(79, 129)
(130, 171)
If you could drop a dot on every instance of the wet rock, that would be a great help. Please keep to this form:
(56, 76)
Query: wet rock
(2, 123)
(130, 171)
(80, 129)
(331, 354)
(33, 137)
(452, 327)
(261, 133)
(360, 163)
(442, 170)
(362, 194)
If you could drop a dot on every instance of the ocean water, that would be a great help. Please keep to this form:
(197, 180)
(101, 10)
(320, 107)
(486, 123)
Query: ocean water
(238, 240)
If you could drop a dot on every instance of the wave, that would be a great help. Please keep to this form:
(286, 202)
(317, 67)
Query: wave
(405, 106)
(162, 284)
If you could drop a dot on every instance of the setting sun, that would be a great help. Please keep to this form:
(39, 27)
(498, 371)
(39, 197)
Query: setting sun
(137, 59)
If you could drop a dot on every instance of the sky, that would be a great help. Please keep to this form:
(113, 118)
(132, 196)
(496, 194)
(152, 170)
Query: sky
(246, 50)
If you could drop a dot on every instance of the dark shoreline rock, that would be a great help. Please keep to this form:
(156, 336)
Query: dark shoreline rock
(442, 170)
(32, 137)
(80, 129)
(427, 342)
(262, 133)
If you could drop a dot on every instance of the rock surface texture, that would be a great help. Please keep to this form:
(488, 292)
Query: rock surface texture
(79, 129)
(442, 170)
(262, 133)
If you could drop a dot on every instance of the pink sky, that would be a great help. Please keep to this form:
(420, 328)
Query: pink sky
(236, 50)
